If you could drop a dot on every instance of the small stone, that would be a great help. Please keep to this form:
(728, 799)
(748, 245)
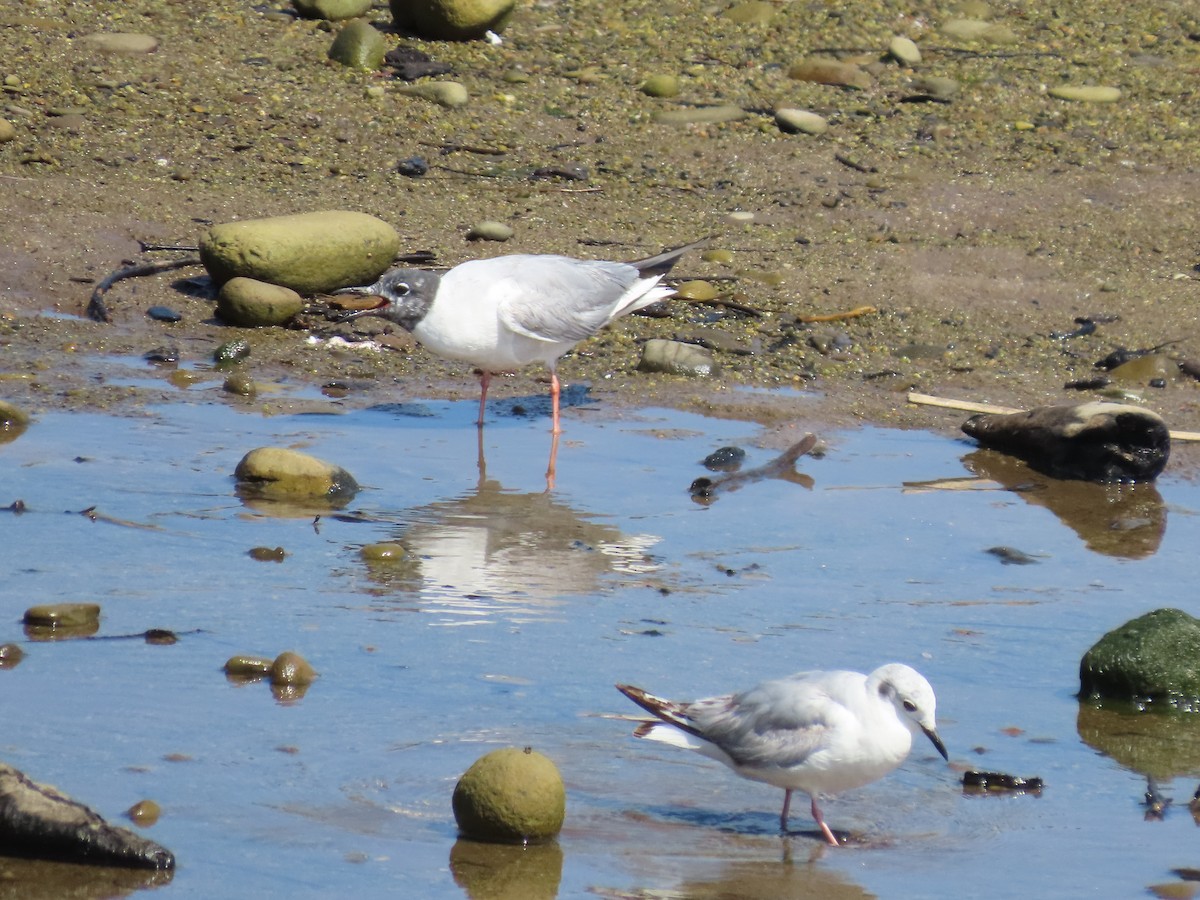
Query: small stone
(248, 667)
(267, 554)
(278, 473)
(359, 45)
(830, 71)
(8, 131)
(332, 10)
(10, 655)
(967, 29)
(144, 813)
(490, 231)
(800, 121)
(413, 167)
(935, 87)
(240, 385)
(698, 291)
(232, 352)
(740, 217)
(290, 668)
(63, 615)
(676, 358)
(449, 94)
(163, 314)
(750, 12)
(249, 303)
(510, 796)
(1086, 93)
(904, 51)
(660, 86)
(120, 42)
(389, 551)
(700, 115)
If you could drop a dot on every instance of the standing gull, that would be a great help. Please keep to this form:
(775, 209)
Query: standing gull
(817, 732)
(504, 313)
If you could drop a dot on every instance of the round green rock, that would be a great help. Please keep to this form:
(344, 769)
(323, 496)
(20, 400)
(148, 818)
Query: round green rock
(511, 796)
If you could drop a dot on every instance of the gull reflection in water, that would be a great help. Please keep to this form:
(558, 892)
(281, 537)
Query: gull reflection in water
(494, 553)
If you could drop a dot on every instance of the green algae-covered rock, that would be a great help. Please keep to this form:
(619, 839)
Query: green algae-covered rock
(253, 304)
(307, 252)
(1151, 661)
(510, 796)
(359, 45)
(280, 474)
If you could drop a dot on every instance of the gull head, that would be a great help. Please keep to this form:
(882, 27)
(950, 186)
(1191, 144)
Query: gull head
(912, 695)
(404, 296)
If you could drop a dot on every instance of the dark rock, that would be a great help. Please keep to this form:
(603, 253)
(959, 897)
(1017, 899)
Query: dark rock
(40, 822)
(413, 167)
(1150, 661)
(164, 314)
(1101, 442)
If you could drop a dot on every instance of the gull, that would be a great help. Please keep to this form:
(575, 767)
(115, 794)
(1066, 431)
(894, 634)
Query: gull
(816, 732)
(507, 312)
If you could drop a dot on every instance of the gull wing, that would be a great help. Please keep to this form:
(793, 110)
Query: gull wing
(562, 300)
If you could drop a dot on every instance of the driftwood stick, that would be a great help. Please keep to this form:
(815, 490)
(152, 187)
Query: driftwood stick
(968, 406)
(97, 310)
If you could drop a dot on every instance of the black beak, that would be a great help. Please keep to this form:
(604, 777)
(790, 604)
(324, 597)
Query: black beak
(937, 742)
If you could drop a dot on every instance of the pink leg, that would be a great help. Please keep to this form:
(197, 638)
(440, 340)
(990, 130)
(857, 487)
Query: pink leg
(485, 379)
(820, 820)
(553, 462)
(787, 805)
(555, 393)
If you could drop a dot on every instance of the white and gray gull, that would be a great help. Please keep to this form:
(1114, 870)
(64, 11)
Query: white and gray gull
(504, 313)
(817, 732)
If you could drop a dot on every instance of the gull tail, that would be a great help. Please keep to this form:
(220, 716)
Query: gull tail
(669, 712)
(658, 266)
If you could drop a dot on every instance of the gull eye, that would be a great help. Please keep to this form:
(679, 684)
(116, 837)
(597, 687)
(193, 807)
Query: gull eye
(401, 289)
(909, 706)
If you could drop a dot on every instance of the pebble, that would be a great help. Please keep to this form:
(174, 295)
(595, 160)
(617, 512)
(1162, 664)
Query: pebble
(164, 314)
(63, 615)
(904, 51)
(331, 10)
(676, 358)
(490, 231)
(144, 813)
(413, 167)
(721, 257)
(240, 385)
(290, 668)
(750, 12)
(724, 459)
(660, 86)
(800, 121)
(700, 115)
(1086, 93)
(279, 473)
(232, 352)
(359, 45)
(10, 655)
(249, 303)
(449, 94)
(697, 290)
(8, 131)
(934, 87)
(247, 667)
(830, 71)
(387, 551)
(740, 217)
(120, 42)
(967, 29)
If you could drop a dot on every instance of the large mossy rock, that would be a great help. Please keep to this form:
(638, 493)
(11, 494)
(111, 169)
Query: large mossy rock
(451, 20)
(510, 796)
(1150, 662)
(279, 473)
(307, 252)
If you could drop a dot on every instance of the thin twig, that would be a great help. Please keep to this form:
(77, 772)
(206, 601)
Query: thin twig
(97, 310)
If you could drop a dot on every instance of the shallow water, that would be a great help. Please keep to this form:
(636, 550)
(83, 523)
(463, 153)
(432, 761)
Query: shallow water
(524, 608)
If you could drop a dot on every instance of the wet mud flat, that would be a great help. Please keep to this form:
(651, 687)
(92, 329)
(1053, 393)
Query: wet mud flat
(517, 611)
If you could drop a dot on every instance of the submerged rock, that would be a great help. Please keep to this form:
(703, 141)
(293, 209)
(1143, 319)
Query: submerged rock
(507, 872)
(1102, 442)
(41, 822)
(676, 358)
(510, 796)
(280, 473)
(307, 252)
(1150, 661)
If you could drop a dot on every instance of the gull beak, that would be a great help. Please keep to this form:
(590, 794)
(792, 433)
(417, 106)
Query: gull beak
(371, 302)
(937, 742)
